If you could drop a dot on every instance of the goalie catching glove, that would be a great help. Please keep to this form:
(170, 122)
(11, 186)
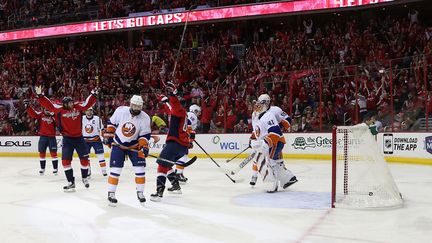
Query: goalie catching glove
(259, 146)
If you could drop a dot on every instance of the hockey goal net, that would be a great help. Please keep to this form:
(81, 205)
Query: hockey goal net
(360, 176)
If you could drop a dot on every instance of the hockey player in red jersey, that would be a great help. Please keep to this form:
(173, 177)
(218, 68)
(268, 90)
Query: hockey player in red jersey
(177, 144)
(47, 139)
(68, 117)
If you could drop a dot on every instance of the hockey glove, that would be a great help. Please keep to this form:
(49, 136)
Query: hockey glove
(26, 103)
(143, 147)
(108, 139)
(171, 88)
(260, 146)
(94, 92)
(38, 90)
(162, 98)
(144, 152)
(192, 135)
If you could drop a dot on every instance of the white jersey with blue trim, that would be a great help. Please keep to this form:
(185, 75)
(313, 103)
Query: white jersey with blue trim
(130, 128)
(263, 125)
(193, 119)
(278, 113)
(91, 128)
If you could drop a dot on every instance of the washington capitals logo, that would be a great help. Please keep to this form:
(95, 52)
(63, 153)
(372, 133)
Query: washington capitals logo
(88, 128)
(73, 114)
(48, 120)
(128, 129)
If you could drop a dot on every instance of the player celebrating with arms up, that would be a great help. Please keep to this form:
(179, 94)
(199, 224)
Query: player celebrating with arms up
(177, 144)
(129, 131)
(68, 116)
(267, 139)
(47, 132)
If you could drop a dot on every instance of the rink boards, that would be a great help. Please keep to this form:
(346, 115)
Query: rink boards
(397, 147)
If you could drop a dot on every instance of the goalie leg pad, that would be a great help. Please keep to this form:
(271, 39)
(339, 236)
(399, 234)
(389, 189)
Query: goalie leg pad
(282, 174)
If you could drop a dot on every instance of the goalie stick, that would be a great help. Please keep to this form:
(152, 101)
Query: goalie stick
(243, 164)
(229, 160)
(191, 161)
(234, 181)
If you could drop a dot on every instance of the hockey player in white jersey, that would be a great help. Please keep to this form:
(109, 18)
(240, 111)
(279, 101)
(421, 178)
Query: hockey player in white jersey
(192, 124)
(284, 122)
(128, 131)
(267, 139)
(92, 127)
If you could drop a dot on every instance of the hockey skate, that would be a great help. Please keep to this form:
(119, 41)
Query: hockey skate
(157, 197)
(290, 182)
(89, 174)
(86, 182)
(112, 201)
(141, 198)
(182, 179)
(41, 172)
(70, 187)
(175, 189)
(253, 180)
(104, 173)
(55, 172)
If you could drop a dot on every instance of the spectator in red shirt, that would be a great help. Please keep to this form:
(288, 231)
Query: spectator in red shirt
(207, 108)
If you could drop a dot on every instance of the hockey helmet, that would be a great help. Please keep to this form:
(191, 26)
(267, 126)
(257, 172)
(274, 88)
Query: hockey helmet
(262, 104)
(136, 104)
(195, 109)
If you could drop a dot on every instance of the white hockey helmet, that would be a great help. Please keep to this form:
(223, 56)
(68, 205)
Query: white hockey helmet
(262, 104)
(195, 109)
(136, 100)
(136, 104)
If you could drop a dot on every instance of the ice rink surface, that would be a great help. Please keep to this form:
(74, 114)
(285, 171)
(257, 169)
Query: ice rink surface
(34, 208)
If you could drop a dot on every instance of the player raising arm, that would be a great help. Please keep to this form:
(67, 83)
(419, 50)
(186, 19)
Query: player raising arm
(267, 139)
(47, 132)
(68, 116)
(128, 130)
(177, 144)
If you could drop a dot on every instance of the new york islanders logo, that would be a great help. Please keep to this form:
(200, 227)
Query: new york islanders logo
(88, 128)
(128, 129)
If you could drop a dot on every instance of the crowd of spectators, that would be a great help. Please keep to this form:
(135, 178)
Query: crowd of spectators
(288, 61)
(16, 14)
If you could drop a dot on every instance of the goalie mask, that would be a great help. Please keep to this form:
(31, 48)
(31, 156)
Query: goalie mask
(195, 109)
(136, 105)
(262, 104)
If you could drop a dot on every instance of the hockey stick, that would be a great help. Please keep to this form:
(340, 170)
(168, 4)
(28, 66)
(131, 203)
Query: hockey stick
(243, 163)
(234, 181)
(229, 160)
(181, 40)
(191, 161)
